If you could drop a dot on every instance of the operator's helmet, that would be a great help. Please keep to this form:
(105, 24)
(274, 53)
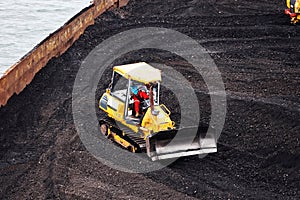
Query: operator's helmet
(134, 89)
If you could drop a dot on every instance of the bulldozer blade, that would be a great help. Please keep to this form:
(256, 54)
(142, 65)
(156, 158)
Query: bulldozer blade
(181, 142)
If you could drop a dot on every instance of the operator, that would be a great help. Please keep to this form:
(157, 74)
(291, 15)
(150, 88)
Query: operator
(139, 95)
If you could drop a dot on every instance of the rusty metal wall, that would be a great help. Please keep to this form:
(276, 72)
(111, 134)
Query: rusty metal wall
(21, 74)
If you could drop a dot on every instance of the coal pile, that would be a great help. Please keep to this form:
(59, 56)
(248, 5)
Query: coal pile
(257, 52)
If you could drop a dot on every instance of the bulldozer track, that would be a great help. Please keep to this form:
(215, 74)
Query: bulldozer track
(125, 132)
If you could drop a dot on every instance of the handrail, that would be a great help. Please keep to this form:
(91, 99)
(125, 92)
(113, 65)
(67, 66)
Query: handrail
(166, 109)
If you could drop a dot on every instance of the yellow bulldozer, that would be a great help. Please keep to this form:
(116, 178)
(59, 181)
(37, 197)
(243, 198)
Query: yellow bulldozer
(293, 10)
(135, 119)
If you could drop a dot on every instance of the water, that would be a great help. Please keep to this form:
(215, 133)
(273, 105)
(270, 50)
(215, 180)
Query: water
(25, 23)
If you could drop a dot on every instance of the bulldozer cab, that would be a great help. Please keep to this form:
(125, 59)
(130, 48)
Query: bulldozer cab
(137, 85)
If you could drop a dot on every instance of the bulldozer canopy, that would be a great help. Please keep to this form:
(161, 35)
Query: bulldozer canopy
(141, 72)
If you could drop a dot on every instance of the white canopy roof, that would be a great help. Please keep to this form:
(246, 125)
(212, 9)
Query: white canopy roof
(141, 72)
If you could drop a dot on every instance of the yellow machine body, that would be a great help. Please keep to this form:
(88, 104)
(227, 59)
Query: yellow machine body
(154, 129)
(149, 124)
